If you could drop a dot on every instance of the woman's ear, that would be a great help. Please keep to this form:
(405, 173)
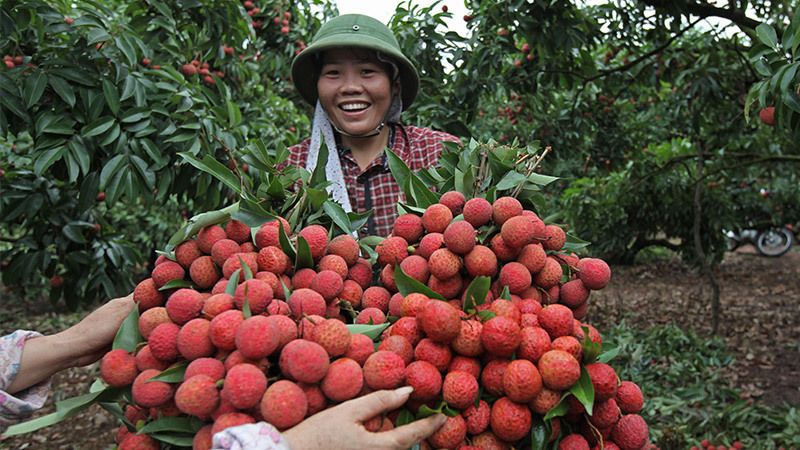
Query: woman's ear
(396, 88)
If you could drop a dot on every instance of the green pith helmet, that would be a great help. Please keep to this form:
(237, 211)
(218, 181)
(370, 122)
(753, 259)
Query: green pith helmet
(352, 30)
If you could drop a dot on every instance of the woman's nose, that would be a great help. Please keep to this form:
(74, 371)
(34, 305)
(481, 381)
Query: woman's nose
(351, 83)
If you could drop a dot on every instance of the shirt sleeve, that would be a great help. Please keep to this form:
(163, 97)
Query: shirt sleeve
(252, 436)
(20, 406)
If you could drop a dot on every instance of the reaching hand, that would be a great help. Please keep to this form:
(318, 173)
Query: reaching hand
(342, 426)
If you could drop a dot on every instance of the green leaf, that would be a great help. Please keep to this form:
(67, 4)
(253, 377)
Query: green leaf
(63, 89)
(510, 180)
(182, 440)
(338, 215)
(486, 314)
(767, 35)
(559, 410)
(248, 274)
(371, 331)
(286, 244)
(175, 284)
(172, 375)
(505, 294)
(591, 349)
(407, 285)
(200, 221)
(476, 292)
(112, 96)
(540, 433)
(583, 390)
(33, 425)
(96, 35)
(34, 88)
(98, 126)
(180, 424)
(215, 168)
(304, 258)
(128, 336)
(400, 171)
(608, 355)
(234, 115)
(404, 418)
(47, 159)
(233, 283)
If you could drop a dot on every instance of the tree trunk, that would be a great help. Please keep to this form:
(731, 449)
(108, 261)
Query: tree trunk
(698, 242)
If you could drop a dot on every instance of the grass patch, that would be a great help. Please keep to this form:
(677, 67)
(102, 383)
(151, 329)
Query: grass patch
(688, 399)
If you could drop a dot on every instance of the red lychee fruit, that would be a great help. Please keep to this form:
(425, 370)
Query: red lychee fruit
(304, 360)
(767, 116)
(118, 368)
(534, 342)
(557, 320)
(208, 236)
(573, 442)
(436, 218)
(545, 400)
(492, 376)
(459, 389)
(429, 244)
(258, 294)
(384, 370)
(477, 211)
(533, 257)
(629, 397)
(370, 315)
(244, 386)
(203, 272)
(194, 340)
(268, 235)
(559, 370)
(345, 246)
(503, 251)
(550, 275)
(152, 318)
(440, 321)
(272, 259)
(554, 238)
(416, 267)
(333, 335)
(426, 380)
(166, 272)
(203, 439)
(163, 341)
(477, 417)
(454, 200)
(302, 278)
(510, 421)
(237, 231)
(392, 250)
(197, 396)
(465, 364)
(186, 252)
(459, 237)
(409, 227)
(573, 293)
(284, 404)
(468, 340)
(481, 262)
(449, 435)
(231, 419)
(135, 441)
(316, 398)
(184, 305)
(287, 327)
(399, 345)
(570, 345)
(505, 208)
(361, 273)
(334, 263)
(500, 336)
(436, 353)
(234, 263)
(517, 231)
(146, 393)
(604, 414)
(594, 273)
(343, 381)
(223, 329)
(145, 360)
(444, 264)
(257, 337)
(306, 301)
(604, 379)
(361, 346)
(328, 284)
(317, 238)
(210, 367)
(521, 381)
(216, 305)
(630, 432)
(516, 276)
(147, 295)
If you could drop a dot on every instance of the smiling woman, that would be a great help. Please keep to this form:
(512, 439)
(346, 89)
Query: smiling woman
(359, 81)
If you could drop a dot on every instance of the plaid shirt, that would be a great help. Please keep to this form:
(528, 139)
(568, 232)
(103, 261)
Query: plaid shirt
(375, 187)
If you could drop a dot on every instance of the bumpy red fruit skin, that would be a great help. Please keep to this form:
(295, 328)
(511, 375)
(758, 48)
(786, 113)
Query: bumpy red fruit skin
(444, 264)
(203, 439)
(459, 389)
(317, 237)
(454, 200)
(545, 400)
(163, 341)
(197, 396)
(630, 432)
(477, 211)
(147, 295)
(510, 421)
(481, 262)
(237, 231)
(203, 272)
(534, 343)
(194, 340)
(153, 393)
(436, 353)
(477, 417)
(429, 244)
(184, 305)
(376, 297)
(516, 276)
(257, 337)
(384, 370)
(517, 231)
(244, 385)
(328, 284)
(573, 293)
(223, 329)
(230, 419)
(399, 345)
(573, 442)
(500, 336)
(186, 252)
(492, 376)
(594, 273)
(118, 368)
(361, 346)
(345, 246)
(436, 218)
(521, 381)
(208, 236)
(468, 341)
(304, 361)
(533, 257)
(210, 367)
(440, 321)
(604, 414)
(272, 259)
(559, 370)
(459, 237)
(343, 381)
(549, 275)
(629, 397)
(425, 379)
(222, 250)
(234, 263)
(505, 208)
(258, 294)
(152, 318)
(333, 335)
(450, 435)
(555, 238)
(392, 251)
(409, 227)
(284, 404)
(166, 272)
(604, 379)
(556, 320)
(139, 442)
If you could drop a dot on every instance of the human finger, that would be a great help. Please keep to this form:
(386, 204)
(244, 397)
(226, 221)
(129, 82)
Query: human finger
(412, 433)
(370, 405)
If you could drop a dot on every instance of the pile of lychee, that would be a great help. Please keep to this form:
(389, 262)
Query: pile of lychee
(261, 340)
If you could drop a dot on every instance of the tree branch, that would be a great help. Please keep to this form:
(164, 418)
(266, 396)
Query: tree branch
(705, 10)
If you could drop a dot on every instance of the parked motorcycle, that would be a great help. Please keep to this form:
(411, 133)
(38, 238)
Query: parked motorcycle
(770, 241)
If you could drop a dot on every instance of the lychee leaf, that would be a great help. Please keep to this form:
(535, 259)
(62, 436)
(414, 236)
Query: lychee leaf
(252, 214)
(233, 283)
(404, 418)
(424, 197)
(248, 274)
(426, 411)
(559, 410)
(506, 294)
(200, 221)
(510, 180)
(583, 390)
(591, 349)
(338, 215)
(407, 209)
(539, 433)
(128, 336)
(486, 314)
(182, 440)
(450, 412)
(476, 292)
(172, 375)
(286, 244)
(303, 259)
(246, 305)
(574, 242)
(175, 284)
(179, 424)
(400, 171)
(286, 292)
(115, 410)
(608, 355)
(210, 165)
(407, 285)
(371, 331)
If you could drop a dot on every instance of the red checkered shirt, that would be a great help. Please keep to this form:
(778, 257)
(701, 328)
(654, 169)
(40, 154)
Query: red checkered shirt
(375, 187)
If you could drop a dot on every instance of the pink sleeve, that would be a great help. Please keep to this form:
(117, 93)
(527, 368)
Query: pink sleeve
(20, 406)
(253, 436)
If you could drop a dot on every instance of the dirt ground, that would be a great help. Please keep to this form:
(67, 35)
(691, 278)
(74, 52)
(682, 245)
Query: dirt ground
(760, 320)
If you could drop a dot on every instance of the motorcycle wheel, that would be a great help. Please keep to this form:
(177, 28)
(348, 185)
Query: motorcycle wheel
(774, 241)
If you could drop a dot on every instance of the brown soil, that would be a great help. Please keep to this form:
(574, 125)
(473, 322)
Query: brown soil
(760, 321)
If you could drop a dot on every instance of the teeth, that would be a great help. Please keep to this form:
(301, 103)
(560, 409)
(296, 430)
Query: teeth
(354, 106)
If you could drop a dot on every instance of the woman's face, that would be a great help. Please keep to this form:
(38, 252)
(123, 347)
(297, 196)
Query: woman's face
(355, 89)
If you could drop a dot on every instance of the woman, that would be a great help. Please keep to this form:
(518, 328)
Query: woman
(359, 82)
